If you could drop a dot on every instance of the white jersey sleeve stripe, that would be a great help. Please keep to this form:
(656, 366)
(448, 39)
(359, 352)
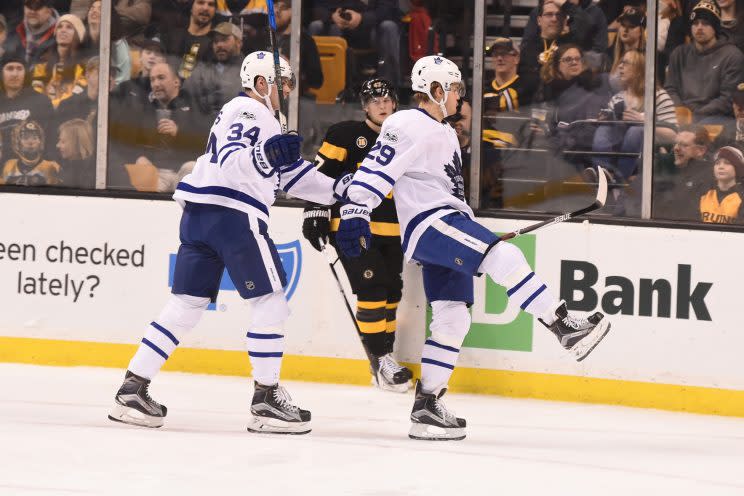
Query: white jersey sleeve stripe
(224, 157)
(378, 173)
(368, 187)
(293, 166)
(299, 175)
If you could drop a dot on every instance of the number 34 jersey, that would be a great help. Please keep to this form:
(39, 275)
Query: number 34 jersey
(228, 173)
(418, 158)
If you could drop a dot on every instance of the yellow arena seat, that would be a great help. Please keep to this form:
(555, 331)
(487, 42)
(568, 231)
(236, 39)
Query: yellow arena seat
(332, 51)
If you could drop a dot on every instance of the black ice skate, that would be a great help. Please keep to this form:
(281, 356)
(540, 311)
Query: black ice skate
(134, 406)
(579, 336)
(431, 421)
(274, 413)
(389, 375)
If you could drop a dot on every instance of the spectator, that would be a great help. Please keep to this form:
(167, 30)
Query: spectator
(134, 16)
(77, 158)
(35, 35)
(627, 105)
(630, 36)
(722, 204)
(85, 105)
(364, 24)
(3, 35)
(732, 22)
(133, 93)
(12, 10)
(192, 44)
(508, 93)
(29, 167)
(733, 131)
(572, 93)
(722, 64)
(671, 33)
(62, 74)
(311, 73)
(212, 85)
(682, 176)
(167, 139)
(560, 22)
(250, 15)
(18, 102)
(120, 60)
(595, 37)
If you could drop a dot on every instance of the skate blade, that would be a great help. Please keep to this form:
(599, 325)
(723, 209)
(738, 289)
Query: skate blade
(395, 388)
(582, 349)
(261, 425)
(426, 432)
(127, 415)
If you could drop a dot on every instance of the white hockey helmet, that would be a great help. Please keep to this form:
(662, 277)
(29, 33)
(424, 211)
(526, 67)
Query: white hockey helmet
(434, 68)
(262, 64)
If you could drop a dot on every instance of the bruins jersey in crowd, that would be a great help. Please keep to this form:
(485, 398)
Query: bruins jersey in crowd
(511, 97)
(343, 149)
(722, 207)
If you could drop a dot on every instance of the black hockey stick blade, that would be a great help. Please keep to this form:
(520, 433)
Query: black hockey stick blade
(599, 202)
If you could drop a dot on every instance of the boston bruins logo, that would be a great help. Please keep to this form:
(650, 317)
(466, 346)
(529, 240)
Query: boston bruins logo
(361, 142)
(368, 274)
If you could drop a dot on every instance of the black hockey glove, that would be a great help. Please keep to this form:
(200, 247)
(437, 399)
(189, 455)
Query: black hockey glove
(316, 224)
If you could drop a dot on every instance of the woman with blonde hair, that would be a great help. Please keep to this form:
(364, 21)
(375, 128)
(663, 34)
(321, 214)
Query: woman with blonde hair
(631, 35)
(76, 148)
(627, 105)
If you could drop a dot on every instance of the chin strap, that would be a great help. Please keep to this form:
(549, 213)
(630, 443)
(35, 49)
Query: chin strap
(267, 99)
(441, 104)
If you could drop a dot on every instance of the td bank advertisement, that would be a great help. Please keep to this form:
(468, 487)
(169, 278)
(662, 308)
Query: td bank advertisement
(98, 270)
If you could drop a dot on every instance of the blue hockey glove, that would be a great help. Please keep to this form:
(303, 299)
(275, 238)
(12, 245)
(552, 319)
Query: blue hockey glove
(277, 152)
(353, 231)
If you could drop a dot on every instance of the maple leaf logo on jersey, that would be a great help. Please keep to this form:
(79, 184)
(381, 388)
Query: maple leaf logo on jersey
(454, 172)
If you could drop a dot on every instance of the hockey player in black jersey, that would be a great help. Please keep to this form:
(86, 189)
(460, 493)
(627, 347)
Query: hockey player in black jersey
(375, 277)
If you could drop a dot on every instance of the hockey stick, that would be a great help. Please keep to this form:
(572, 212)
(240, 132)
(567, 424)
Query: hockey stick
(598, 203)
(282, 110)
(331, 264)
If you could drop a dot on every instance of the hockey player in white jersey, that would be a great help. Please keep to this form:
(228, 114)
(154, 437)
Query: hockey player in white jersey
(226, 202)
(418, 157)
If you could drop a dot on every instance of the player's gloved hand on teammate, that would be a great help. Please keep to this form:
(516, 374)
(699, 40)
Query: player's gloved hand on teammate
(277, 152)
(353, 231)
(316, 225)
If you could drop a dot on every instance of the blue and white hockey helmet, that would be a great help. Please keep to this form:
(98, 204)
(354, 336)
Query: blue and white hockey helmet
(262, 64)
(435, 68)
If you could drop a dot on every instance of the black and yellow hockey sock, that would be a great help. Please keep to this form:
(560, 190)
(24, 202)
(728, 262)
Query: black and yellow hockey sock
(370, 317)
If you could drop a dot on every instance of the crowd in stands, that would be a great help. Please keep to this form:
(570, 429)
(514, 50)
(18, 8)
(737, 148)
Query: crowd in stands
(572, 87)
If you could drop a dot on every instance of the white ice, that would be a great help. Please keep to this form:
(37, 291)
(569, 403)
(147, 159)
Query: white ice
(55, 439)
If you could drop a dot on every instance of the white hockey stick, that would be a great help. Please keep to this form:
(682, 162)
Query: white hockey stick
(599, 202)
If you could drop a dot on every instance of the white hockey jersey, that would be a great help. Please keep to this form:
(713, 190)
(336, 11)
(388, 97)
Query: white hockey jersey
(419, 159)
(227, 174)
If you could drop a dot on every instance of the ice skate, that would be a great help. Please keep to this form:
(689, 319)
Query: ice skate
(431, 421)
(389, 375)
(273, 412)
(134, 406)
(578, 335)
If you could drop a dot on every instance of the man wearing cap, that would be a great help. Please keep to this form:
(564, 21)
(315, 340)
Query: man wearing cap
(702, 75)
(722, 204)
(212, 84)
(192, 44)
(595, 35)
(18, 102)
(35, 35)
(133, 93)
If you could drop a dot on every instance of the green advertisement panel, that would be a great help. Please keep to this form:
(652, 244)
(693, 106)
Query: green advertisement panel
(509, 334)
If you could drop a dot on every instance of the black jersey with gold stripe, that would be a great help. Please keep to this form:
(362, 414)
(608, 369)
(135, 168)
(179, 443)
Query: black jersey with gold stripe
(512, 99)
(723, 207)
(343, 149)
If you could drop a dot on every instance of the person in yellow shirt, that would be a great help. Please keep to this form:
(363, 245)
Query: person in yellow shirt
(29, 168)
(722, 204)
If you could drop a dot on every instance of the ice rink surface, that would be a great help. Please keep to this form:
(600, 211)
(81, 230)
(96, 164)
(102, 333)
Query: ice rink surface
(55, 439)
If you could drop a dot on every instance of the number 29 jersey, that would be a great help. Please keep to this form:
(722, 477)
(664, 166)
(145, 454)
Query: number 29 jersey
(418, 158)
(229, 174)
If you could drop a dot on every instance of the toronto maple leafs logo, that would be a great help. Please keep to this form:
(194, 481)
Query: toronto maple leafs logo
(260, 55)
(438, 60)
(454, 172)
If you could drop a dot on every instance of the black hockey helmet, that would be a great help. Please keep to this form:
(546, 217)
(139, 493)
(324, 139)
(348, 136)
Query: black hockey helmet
(377, 87)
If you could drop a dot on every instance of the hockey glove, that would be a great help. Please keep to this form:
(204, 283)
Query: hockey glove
(316, 224)
(353, 231)
(277, 152)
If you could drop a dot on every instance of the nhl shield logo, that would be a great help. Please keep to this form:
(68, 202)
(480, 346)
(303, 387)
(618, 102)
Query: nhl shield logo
(361, 142)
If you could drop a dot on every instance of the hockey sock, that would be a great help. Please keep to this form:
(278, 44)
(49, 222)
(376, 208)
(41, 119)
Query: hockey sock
(370, 317)
(391, 310)
(507, 266)
(265, 350)
(180, 314)
(449, 325)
